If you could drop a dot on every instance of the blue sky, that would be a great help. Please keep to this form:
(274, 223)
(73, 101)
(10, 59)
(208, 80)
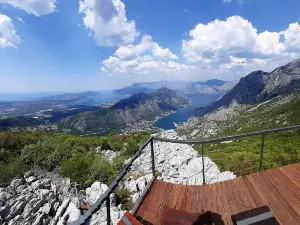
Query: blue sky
(48, 45)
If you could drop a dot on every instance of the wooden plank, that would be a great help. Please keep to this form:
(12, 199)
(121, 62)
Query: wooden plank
(246, 193)
(296, 166)
(155, 207)
(279, 196)
(253, 194)
(258, 191)
(176, 193)
(213, 199)
(240, 199)
(171, 194)
(237, 197)
(167, 196)
(181, 195)
(195, 199)
(187, 200)
(285, 191)
(294, 173)
(290, 183)
(184, 206)
(148, 200)
(204, 196)
(291, 175)
(230, 197)
(226, 205)
(246, 205)
(220, 207)
(273, 202)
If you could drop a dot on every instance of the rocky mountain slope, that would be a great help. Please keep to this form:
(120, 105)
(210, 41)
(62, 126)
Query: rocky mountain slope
(139, 107)
(259, 86)
(213, 86)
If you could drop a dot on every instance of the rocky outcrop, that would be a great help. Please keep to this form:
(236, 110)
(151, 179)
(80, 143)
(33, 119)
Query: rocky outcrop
(109, 155)
(178, 163)
(99, 218)
(35, 200)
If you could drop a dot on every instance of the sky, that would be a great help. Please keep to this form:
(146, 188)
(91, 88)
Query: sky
(78, 45)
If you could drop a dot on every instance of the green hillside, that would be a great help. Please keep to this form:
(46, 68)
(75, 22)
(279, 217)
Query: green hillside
(241, 156)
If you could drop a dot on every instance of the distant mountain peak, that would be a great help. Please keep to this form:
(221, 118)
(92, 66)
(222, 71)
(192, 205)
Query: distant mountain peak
(165, 91)
(260, 86)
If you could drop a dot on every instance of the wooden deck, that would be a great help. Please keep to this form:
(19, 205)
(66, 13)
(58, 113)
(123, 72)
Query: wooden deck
(277, 188)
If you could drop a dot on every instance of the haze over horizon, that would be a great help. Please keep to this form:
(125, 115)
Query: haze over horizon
(62, 46)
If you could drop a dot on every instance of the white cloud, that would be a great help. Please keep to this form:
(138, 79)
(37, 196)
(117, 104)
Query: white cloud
(235, 45)
(8, 34)
(144, 58)
(234, 61)
(227, 1)
(292, 37)
(35, 7)
(145, 46)
(107, 22)
(268, 43)
(236, 37)
(163, 53)
(218, 39)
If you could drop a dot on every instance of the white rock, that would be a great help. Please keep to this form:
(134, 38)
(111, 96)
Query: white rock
(37, 185)
(15, 220)
(42, 192)
(109, 155)
(30, 179)
(28, 174)
(16, 183)
(4, 210)
(61, 210)
(33, 206)
(45, 209)
(72, 212)
(95, 191)
(16, 209)
(38, 220)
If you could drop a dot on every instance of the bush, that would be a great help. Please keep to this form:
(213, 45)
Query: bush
(101, 170)
(14, 168)
(123, 197)
(78, 168)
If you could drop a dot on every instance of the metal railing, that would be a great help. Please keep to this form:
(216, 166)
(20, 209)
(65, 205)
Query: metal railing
(106, 196)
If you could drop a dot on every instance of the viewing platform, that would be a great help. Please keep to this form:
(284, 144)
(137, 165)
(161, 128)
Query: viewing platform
(279, 189)
(263, 197)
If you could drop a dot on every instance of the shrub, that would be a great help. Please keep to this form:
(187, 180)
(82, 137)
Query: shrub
(14, 168)
(123, 197)
(101, 170)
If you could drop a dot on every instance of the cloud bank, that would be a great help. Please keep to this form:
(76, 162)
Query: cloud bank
(8, 34)
(35, 7)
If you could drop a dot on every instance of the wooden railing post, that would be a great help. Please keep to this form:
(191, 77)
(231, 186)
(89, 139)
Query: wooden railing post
(203, 166)
(261, 152)
(108, 219)
(152, 158)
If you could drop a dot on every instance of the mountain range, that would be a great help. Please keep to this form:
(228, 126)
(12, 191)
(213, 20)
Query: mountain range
(213, 86)
(139, 107)
(259, 101)
(259, 86)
